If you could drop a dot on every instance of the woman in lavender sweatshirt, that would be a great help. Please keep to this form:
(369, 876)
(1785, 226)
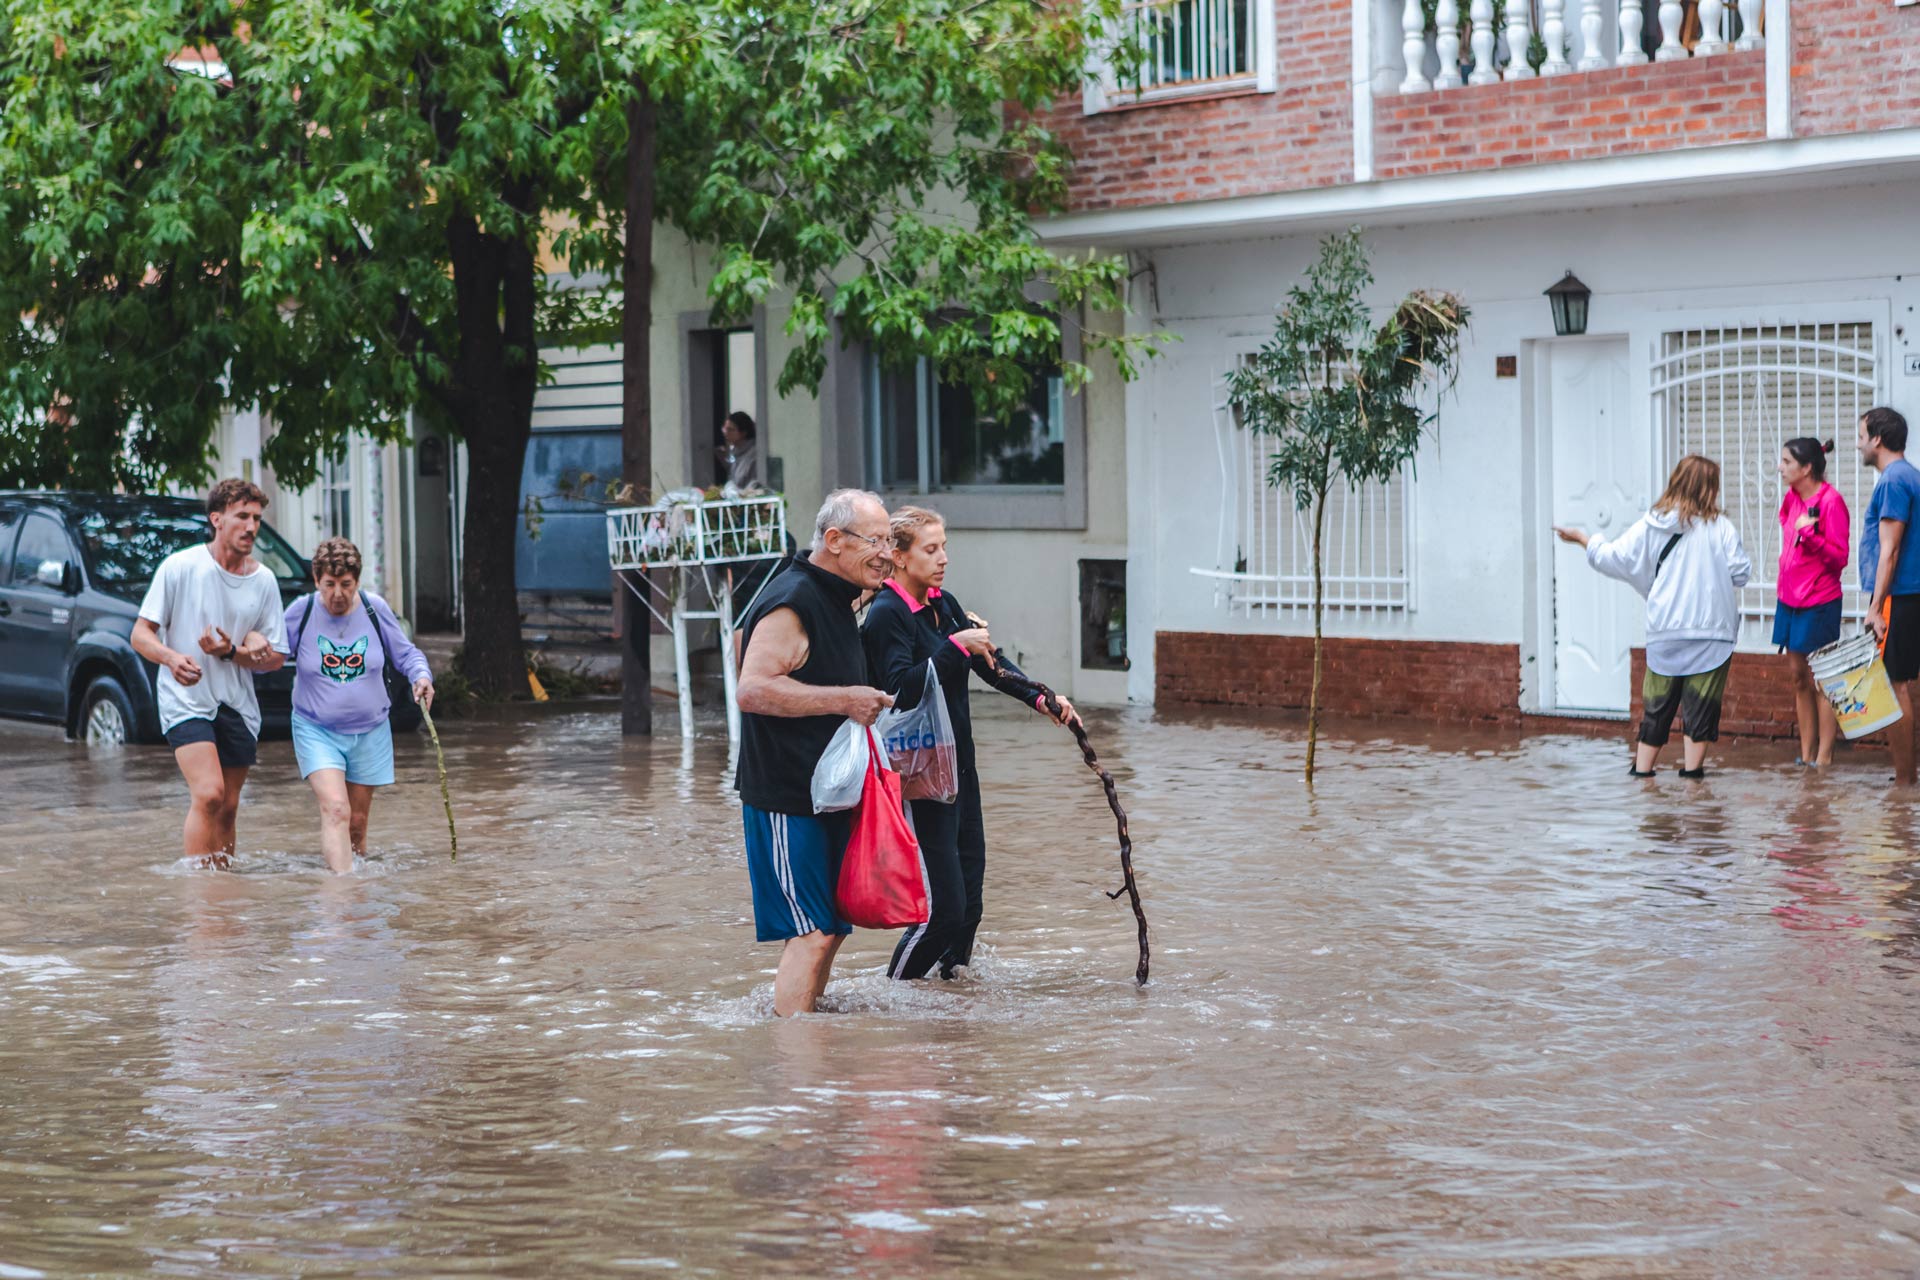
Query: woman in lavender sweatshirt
(342, 640)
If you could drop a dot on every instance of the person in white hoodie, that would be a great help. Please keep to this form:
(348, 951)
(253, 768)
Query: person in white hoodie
(1686, 559)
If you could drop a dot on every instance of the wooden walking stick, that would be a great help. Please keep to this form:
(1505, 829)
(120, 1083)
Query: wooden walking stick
(446, 798)
(1128, 886)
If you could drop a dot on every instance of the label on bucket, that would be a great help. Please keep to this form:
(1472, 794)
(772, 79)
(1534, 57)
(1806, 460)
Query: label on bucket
(1861, 695)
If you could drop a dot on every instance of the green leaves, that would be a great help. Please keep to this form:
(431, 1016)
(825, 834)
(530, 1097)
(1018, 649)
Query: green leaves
(1338, 397)
(285, 235)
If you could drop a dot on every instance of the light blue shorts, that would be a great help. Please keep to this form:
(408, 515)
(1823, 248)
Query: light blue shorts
(366, 758)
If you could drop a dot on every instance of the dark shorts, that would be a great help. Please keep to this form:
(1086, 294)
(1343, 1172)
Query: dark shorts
(793, 864)
(1804, 630)
(226, 731)
(1902, 655)
(1696, 698)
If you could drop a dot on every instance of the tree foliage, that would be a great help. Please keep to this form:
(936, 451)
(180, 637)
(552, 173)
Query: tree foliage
(1342, 399)
(349, 220)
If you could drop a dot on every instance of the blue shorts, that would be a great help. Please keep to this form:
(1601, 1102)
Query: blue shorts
(794, 864)
(366, 758)
(1804, 630)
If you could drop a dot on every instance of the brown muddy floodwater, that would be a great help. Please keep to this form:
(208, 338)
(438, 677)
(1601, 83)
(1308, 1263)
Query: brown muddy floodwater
(1481, 1007)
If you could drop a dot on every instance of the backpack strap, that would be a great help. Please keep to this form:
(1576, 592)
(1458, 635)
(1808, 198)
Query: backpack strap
(1665, 551)
(379, 631)
(301, 629)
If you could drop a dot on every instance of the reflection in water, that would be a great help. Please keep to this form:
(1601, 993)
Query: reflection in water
(1478, 1007)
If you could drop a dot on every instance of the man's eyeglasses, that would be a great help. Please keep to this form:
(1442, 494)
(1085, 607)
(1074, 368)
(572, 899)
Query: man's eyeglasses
(872, 542)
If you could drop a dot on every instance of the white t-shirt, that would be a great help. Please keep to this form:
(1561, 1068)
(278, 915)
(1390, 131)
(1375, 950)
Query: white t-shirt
(190, 593)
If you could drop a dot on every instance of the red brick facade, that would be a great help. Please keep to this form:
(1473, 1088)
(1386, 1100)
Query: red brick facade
(1425, 680)
(1694, 103)
(1856, 66)
(1243, 144)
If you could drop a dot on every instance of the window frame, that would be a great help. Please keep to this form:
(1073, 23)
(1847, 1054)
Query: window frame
(1062, 506)
(1103, 93)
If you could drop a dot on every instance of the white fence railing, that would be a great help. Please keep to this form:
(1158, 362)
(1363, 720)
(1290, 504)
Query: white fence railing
(1263, 555)
(1448, 43)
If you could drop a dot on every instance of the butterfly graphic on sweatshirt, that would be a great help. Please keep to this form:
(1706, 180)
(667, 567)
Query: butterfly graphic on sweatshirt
(343, 662)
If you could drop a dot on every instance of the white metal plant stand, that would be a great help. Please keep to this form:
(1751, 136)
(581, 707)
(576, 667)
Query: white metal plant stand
(694, 539)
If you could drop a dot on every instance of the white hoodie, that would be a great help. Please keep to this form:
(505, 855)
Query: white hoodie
(1697, 593)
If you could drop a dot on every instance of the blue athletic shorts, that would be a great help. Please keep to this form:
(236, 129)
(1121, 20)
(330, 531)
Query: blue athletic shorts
(1804, 630)
(794, 864)
(366, 758)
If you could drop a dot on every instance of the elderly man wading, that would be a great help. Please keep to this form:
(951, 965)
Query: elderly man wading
(802, 671)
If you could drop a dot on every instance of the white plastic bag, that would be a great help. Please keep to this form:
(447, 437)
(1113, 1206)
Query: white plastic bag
(841, 775)
(920, 747)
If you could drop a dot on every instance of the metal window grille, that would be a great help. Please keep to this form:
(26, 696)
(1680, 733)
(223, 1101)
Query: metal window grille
(1264, 551)
(1188, 43)
(1737, 395)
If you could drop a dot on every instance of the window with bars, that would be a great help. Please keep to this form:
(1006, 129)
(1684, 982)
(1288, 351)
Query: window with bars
(1184, 47)
(336, 495)
(1264, 547)
(1737, 395)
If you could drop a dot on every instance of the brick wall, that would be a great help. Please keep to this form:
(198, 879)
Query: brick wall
(1856, 66)
(1699, 102)
(1426, 680)
(1245, 144)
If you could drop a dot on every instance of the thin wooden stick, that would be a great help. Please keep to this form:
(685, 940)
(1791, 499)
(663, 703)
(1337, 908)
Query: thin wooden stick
(1127, 884)
(446, 797)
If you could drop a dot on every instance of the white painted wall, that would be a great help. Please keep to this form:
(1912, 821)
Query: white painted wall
(1788, 257)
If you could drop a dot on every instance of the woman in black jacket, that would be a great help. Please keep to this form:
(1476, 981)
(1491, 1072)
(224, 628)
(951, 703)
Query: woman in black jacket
(911, 621)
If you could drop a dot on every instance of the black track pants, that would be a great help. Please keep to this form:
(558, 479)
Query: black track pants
(954, 844)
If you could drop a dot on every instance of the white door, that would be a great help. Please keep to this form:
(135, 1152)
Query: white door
(1596, 486)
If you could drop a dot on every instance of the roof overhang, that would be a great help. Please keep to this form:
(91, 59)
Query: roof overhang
(1663, 176)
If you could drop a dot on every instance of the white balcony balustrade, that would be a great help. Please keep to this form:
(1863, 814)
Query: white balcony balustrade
(1447, 43)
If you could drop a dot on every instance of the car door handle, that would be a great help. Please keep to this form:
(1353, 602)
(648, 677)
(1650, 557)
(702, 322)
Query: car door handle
(6, 607)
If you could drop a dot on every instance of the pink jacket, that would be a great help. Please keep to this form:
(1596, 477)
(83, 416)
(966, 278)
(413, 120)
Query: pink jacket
(1811, 559)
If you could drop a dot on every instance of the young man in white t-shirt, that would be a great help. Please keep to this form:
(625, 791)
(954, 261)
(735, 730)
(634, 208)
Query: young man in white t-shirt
(200, 600)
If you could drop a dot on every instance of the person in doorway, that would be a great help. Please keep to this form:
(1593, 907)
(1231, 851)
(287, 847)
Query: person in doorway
(915, 621)
(1814, 531)
(802, 671)
(1686, 559)
(343, 640)
(1890, 570)
(210, 622)
(741, 453)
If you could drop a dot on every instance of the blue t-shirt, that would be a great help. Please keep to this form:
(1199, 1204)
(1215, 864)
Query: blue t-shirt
(1895, 497)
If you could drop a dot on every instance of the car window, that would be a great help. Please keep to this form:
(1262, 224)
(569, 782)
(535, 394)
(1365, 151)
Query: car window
(41, 539)
(125, 547)
(9, 520)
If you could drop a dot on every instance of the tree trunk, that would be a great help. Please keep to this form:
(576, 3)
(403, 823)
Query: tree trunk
(636, 402)
(491, 401)
(1319, 612)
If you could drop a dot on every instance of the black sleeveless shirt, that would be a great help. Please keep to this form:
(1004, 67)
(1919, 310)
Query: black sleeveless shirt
(778, 753)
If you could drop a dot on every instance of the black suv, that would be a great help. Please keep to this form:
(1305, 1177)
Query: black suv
(73, 570)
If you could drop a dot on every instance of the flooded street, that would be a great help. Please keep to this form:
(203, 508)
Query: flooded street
(1482, 1006)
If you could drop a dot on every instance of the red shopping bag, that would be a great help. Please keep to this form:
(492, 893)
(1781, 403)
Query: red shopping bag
(882, 882)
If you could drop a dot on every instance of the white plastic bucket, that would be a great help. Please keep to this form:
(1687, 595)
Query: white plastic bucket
(1850, 674)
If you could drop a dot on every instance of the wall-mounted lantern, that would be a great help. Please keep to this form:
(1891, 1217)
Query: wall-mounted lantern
(1569, 301)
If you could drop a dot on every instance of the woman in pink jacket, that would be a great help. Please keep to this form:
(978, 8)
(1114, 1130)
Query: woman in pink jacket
(1813, 551)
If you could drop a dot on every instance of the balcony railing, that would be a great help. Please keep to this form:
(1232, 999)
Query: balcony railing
(1448, 43)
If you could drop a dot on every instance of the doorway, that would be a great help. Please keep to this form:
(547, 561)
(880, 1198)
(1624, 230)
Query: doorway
(1597, 474)
(724, 378)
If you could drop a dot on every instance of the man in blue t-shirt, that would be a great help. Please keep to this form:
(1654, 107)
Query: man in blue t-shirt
(1890, 569)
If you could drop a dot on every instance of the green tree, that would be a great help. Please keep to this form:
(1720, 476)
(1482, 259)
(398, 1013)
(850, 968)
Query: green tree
(1342, 399)
(350, 222)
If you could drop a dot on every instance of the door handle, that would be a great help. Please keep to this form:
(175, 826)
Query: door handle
(6, 607)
